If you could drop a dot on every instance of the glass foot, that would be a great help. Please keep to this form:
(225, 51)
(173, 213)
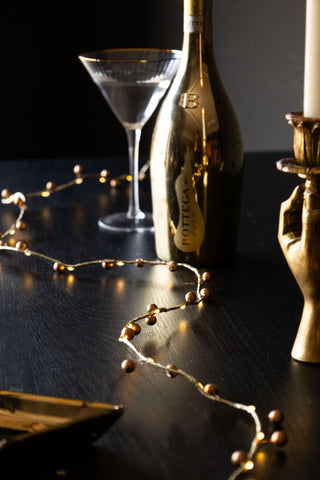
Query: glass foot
(120, 222)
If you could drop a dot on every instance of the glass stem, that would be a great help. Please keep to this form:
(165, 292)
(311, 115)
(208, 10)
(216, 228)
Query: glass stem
(134, 211)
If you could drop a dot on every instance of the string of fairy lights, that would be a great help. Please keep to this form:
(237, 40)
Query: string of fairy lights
(243, 461)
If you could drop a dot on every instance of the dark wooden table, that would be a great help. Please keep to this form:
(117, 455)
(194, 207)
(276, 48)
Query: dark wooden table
(59, 334)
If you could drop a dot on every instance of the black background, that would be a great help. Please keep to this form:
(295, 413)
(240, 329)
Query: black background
(49, 104)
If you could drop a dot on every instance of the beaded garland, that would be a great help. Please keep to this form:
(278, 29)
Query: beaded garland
(243, 460)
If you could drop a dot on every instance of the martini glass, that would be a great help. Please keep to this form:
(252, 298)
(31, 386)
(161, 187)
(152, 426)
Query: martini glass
(132, 81)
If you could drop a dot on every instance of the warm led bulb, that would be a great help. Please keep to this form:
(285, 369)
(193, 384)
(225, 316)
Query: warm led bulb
(249, 465)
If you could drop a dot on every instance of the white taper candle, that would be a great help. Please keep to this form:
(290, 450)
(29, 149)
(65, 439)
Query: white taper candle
(311, 101)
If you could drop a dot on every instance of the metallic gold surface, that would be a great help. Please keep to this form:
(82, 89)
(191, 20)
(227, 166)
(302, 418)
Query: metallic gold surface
(194, 7)
(306, 139)
(35, 425)
(196, 159)
(299, 232)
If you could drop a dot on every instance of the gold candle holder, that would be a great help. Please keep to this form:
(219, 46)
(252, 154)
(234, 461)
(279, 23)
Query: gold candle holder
(299, 231)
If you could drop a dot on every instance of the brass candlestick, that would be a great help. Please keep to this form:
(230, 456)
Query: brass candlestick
(299, 231)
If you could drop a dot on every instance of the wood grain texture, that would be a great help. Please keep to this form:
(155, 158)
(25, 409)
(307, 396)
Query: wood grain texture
(60, 337)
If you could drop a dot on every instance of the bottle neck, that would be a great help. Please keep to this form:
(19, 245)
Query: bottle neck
(197, 21)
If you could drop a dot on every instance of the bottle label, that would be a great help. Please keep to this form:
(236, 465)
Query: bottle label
(189, 233)
(193, 24)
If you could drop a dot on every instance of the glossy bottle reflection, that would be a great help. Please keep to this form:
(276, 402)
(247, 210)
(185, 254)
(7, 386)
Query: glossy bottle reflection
(196, 155)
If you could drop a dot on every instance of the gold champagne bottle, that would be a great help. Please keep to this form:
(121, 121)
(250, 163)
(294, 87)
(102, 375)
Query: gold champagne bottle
(196, 155)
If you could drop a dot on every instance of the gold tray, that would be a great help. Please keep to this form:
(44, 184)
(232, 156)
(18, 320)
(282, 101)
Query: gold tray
(33, 422)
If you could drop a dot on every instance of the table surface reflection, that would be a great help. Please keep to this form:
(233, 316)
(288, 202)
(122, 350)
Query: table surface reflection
(59, 333)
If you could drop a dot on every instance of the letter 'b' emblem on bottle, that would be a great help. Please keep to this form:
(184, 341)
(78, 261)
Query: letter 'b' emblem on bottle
(190, 230)
(189, 100)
